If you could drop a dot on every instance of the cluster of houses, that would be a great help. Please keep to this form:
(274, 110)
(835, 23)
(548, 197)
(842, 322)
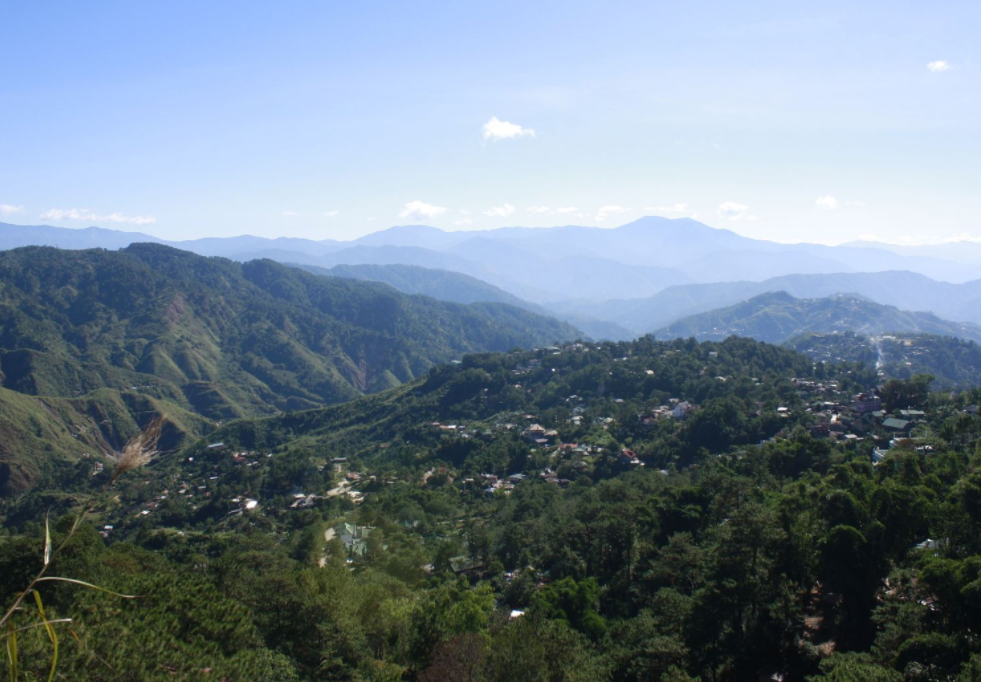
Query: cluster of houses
(537, 434)
(858, 418)
(463, 431)
(493, 483)
(244, 457)
(675, 409)
(196, 491)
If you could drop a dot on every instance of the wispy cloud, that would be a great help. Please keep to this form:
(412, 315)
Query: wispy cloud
(732, 210)
(290, 214)
(938, 66)
(676, 209)
(420, 210)
(500, 211)
(826, 203)
(606, 211)
(86, 214)
(496, 129)
(548, 210)
(462, 222)
(331, 214)
(8, 209)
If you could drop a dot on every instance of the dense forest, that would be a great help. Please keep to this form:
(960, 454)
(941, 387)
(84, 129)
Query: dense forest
(620, 511)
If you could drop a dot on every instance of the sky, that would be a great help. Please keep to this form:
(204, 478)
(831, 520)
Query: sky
(820, 122)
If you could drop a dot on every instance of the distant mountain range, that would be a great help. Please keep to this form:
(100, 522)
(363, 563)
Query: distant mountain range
(636, 260)
(776, 317)
(960, 252)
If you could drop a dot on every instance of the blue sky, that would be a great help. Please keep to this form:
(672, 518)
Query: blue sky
(332, 120)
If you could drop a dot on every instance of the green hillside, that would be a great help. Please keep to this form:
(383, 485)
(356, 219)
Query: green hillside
(776, 317)
(42, 439)
(151, 329)
(618, 380)
(952, 362)
(225, 339)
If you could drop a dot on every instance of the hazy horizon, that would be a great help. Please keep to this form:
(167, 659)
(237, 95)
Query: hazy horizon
(150, 230)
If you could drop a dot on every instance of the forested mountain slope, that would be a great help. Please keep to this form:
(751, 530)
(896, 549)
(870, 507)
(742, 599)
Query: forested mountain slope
(457, 287)
(443, 285)
(229, 339)
(778, 316)
(951, 361)
(218, 338)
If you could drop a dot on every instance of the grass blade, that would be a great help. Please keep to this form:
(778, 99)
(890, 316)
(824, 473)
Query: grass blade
(47, 541)
(37, 625)
(51, 635)
(85, 584)
(12, 651)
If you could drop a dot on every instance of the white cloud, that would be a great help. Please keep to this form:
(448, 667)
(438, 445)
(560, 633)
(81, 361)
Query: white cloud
(500, 211)
(673, 208)
(826, 203)
(964, 237)
(496, 129)
(606, 211)
(732, 210)
(462, 222)
(570, 211)
(548, 210)
(290, 214)
(331, 214)
(420, 210)
(938, 66)
(7, 209)
(86, 214)
(869, 237)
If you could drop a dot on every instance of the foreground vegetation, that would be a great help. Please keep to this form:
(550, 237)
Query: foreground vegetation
(634, 511)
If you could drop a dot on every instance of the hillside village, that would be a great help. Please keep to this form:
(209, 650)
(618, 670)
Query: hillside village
(215, 481)
(526, 478)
